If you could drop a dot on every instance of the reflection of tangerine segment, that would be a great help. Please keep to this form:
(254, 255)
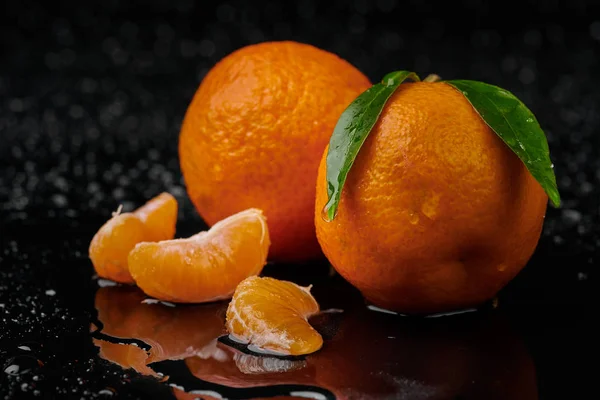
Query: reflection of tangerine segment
(474, 356)
(115, 239)
(125, 355)
(207, 266)
(116, 307)
(272, 315)
(232, 368)
(172, 333)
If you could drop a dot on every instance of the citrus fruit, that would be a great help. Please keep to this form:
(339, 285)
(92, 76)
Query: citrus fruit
(112, 243)
(159, 215)
(254, 133)
(272, 315)
(204, 267)
(437, 213)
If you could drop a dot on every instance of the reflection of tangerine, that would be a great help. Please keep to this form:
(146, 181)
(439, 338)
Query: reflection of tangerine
(437, 213)
(125, 355)
(272, 315)
(233, 368)
(255, 131)
(474, 356)
(375, 355)
(114, 240)
(207, 266)
(172, 332)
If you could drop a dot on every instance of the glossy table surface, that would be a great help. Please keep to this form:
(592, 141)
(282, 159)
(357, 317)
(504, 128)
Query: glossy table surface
(91, 98)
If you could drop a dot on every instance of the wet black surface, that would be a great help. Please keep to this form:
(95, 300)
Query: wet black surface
(91, 98)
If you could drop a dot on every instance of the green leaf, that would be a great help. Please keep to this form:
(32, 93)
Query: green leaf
(350, 133)
(516, 125)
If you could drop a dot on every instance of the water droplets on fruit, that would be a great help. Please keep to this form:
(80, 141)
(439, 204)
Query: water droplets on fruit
(413, 217)
(325, 214)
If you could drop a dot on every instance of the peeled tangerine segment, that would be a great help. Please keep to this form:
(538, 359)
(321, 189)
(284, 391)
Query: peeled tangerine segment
(207, 266)
(112, 243)
(272, 315)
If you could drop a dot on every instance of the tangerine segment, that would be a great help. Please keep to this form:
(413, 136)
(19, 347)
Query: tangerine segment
(112, 243)
(160, 216)
(272, 315)
(111, 246)
(207, 266)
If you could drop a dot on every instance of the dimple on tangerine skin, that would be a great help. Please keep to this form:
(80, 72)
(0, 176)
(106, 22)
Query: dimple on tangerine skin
(254, 133)
(437, 213)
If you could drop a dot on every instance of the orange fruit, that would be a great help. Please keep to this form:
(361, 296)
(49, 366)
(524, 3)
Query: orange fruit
(437, 213)
(254, 133)
(272, 315)
(204, 267)
(112, 243)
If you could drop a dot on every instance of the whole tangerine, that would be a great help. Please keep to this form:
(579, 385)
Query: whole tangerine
(437, 213)
(254, 133)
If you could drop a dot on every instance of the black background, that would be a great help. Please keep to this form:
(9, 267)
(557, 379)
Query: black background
(92, 94)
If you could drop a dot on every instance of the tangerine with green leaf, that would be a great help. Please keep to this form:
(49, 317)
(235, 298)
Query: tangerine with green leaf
(427, 207)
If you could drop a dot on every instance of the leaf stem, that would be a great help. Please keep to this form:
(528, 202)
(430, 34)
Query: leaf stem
(432, 78)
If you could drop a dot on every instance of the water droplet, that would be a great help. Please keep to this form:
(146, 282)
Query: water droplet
(12, 369)
(552, 166)
(308, 395)
(325, 214)
(381, 310)
(413, 218)
(106, 283)
(430, 205)
(450, 313)
(529, 119)
(50, 292)
(465, 93)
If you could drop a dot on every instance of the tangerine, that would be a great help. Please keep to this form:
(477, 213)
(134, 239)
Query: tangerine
(112, 243)
(204, 267)
(272, 315)
(254, 133)
(437, 213)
